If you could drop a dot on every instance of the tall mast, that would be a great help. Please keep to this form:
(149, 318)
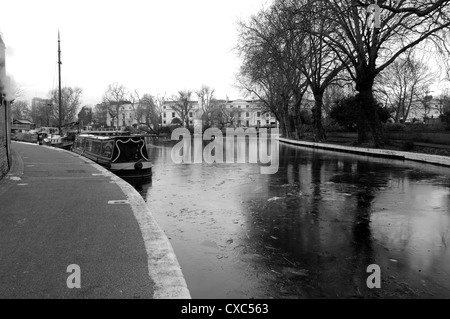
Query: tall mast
(59, 84)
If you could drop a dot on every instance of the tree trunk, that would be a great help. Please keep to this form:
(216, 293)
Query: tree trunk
(364, 85)
(287, 123)
(370, 112)
(362, 125)
(298, 122)
(319, 131)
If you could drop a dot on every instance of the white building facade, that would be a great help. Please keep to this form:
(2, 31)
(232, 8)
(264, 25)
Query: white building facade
(241, 113)
(126, 117)
(432, 110)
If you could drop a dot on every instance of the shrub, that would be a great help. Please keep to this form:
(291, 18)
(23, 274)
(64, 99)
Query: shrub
(407, 146)
(334, 127)
(346, 112)
(446, 117)
(165, 130)
(394, 127)
(306, 117)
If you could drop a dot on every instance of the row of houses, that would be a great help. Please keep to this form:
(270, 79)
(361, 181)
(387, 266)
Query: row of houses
(238, 113)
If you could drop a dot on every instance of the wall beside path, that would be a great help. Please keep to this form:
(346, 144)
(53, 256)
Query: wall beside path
(5, 136)
(5, 152)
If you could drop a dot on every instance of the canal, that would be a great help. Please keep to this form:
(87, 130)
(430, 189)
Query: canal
(308, 231)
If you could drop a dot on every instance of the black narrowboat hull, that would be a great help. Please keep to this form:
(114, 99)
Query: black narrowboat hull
(128, 162)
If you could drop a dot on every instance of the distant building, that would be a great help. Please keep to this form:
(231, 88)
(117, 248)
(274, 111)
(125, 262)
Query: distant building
(428, 112)
(239, 113)
(170, 116)
(38, 102)
(126, 117)
(22, 125)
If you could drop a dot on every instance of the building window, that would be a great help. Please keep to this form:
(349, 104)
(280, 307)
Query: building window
(267, 121)
(164, 115)
(173, 114)
(164, 122)
(247, 114)
(248, 123)
(190, 122)
(239, 114)
(123, 123)
(258, 114)
(190, 114)
(239, 107)
(164, 107)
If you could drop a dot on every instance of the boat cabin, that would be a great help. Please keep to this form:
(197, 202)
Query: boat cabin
(120, 154)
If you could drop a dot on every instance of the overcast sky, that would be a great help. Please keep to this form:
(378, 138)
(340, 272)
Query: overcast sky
(152, 46)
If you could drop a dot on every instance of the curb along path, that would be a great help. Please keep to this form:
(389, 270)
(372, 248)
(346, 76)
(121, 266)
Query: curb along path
(163, 266)
(417, 157)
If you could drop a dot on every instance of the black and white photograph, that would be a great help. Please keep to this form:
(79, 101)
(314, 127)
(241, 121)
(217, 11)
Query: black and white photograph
(225, 155)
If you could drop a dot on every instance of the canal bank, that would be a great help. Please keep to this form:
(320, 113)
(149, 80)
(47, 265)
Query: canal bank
(400, 155)
(60, 209)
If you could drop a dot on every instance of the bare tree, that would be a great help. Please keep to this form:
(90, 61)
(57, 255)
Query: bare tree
(20, 110)
(43, 114)
(371, 48)
(135, 100)
(183, 106)
(159, 102)
(270, 67)
(222, 116)
(147, 110)
(115, 97)
(71, 100)
(319, 63)
(404, 83)
(206, 96)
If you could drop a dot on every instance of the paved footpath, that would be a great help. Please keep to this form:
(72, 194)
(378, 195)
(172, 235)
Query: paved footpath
(57, 209)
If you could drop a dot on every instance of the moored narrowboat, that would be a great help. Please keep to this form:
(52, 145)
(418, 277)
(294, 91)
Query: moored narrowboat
(125, 156)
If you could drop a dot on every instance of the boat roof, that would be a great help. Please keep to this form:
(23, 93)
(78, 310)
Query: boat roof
(103, 137)
(96, 136)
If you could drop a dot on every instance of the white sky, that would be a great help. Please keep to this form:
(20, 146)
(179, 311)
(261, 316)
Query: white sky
(153, 46)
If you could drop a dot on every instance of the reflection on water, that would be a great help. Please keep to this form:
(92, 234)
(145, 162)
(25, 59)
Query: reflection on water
(308, 231)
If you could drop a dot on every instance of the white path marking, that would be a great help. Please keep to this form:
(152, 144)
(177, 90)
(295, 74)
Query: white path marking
(118, 202)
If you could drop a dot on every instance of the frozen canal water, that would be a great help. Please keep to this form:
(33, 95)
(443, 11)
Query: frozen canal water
(308, 231)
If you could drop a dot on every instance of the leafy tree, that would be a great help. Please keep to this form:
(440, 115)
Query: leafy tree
(86, 115)
(347, 113)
